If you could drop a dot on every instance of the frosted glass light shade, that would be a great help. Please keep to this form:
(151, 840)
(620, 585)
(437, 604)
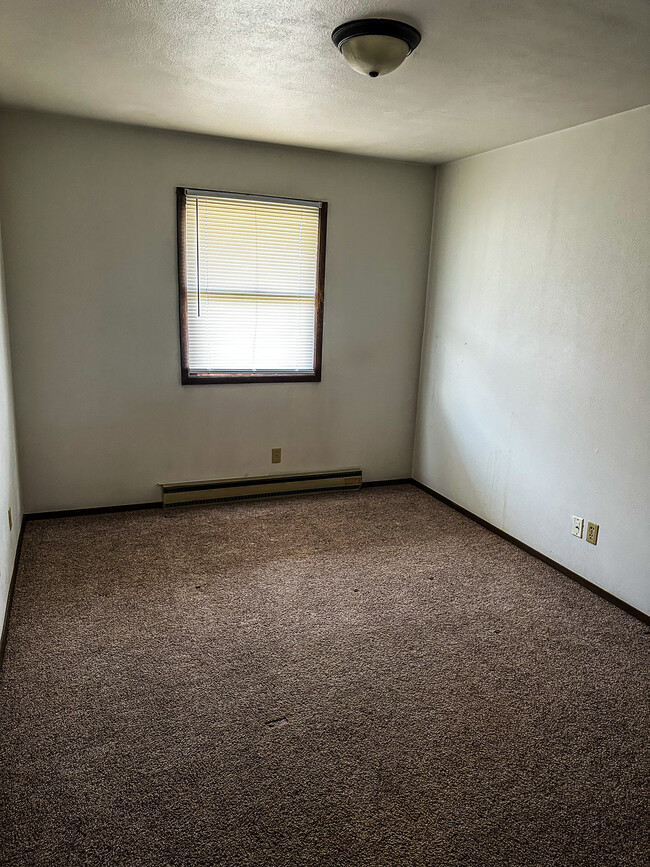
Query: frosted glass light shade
(375, 55)
(375, 46)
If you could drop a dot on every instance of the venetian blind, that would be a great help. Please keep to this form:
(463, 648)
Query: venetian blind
(251, 283)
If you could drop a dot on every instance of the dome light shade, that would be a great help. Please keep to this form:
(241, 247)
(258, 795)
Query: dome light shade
(375, 46)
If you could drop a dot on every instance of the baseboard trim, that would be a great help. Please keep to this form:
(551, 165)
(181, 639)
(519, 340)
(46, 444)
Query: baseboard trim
(10, 595)
(585, 582)
(96, 510)
(386, 482)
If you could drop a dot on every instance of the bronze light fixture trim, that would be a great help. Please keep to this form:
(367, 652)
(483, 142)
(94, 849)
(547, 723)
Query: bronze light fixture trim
(375, 46)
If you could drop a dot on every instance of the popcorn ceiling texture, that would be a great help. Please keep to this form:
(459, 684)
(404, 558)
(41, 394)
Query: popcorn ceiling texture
(485, 74)
(366, 679)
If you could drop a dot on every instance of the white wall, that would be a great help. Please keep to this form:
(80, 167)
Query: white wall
(89, 219)
(535, 378)
(9, 484)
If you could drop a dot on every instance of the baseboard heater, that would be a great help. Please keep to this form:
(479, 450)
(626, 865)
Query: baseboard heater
(258, 487)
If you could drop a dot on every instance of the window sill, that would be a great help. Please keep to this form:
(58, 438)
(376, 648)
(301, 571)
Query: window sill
(241, 378)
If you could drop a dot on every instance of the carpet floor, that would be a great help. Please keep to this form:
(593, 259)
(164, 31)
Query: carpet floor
(338, 680)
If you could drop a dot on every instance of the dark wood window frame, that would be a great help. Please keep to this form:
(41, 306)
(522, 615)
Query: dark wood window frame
(231, 377)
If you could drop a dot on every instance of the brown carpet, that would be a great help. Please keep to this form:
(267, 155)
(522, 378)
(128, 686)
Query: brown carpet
(342, 679)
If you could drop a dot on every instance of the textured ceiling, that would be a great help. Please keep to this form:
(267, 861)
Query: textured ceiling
(488, 72)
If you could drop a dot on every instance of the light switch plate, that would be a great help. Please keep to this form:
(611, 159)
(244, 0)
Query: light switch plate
(578, 526)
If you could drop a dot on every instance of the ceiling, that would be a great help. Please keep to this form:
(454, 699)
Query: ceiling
(487, 73)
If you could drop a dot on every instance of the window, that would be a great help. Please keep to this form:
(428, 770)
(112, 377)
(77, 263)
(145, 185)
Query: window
(251, 273)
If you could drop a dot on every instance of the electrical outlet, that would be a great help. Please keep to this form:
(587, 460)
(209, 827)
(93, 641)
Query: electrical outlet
(592, 532)
(276, 456)
(11, 522)
(578, 526)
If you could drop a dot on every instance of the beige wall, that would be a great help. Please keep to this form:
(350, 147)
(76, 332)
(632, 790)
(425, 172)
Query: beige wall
(9, 484)
(534, 383)
(535, 380)
(90, 247)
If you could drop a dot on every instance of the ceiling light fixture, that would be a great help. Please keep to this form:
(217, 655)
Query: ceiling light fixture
(375, 46)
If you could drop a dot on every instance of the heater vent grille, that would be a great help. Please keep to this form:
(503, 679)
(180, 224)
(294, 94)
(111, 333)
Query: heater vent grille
(258, 487)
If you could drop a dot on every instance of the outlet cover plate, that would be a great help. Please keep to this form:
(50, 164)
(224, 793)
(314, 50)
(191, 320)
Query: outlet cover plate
(276, 456)
(592, 532)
